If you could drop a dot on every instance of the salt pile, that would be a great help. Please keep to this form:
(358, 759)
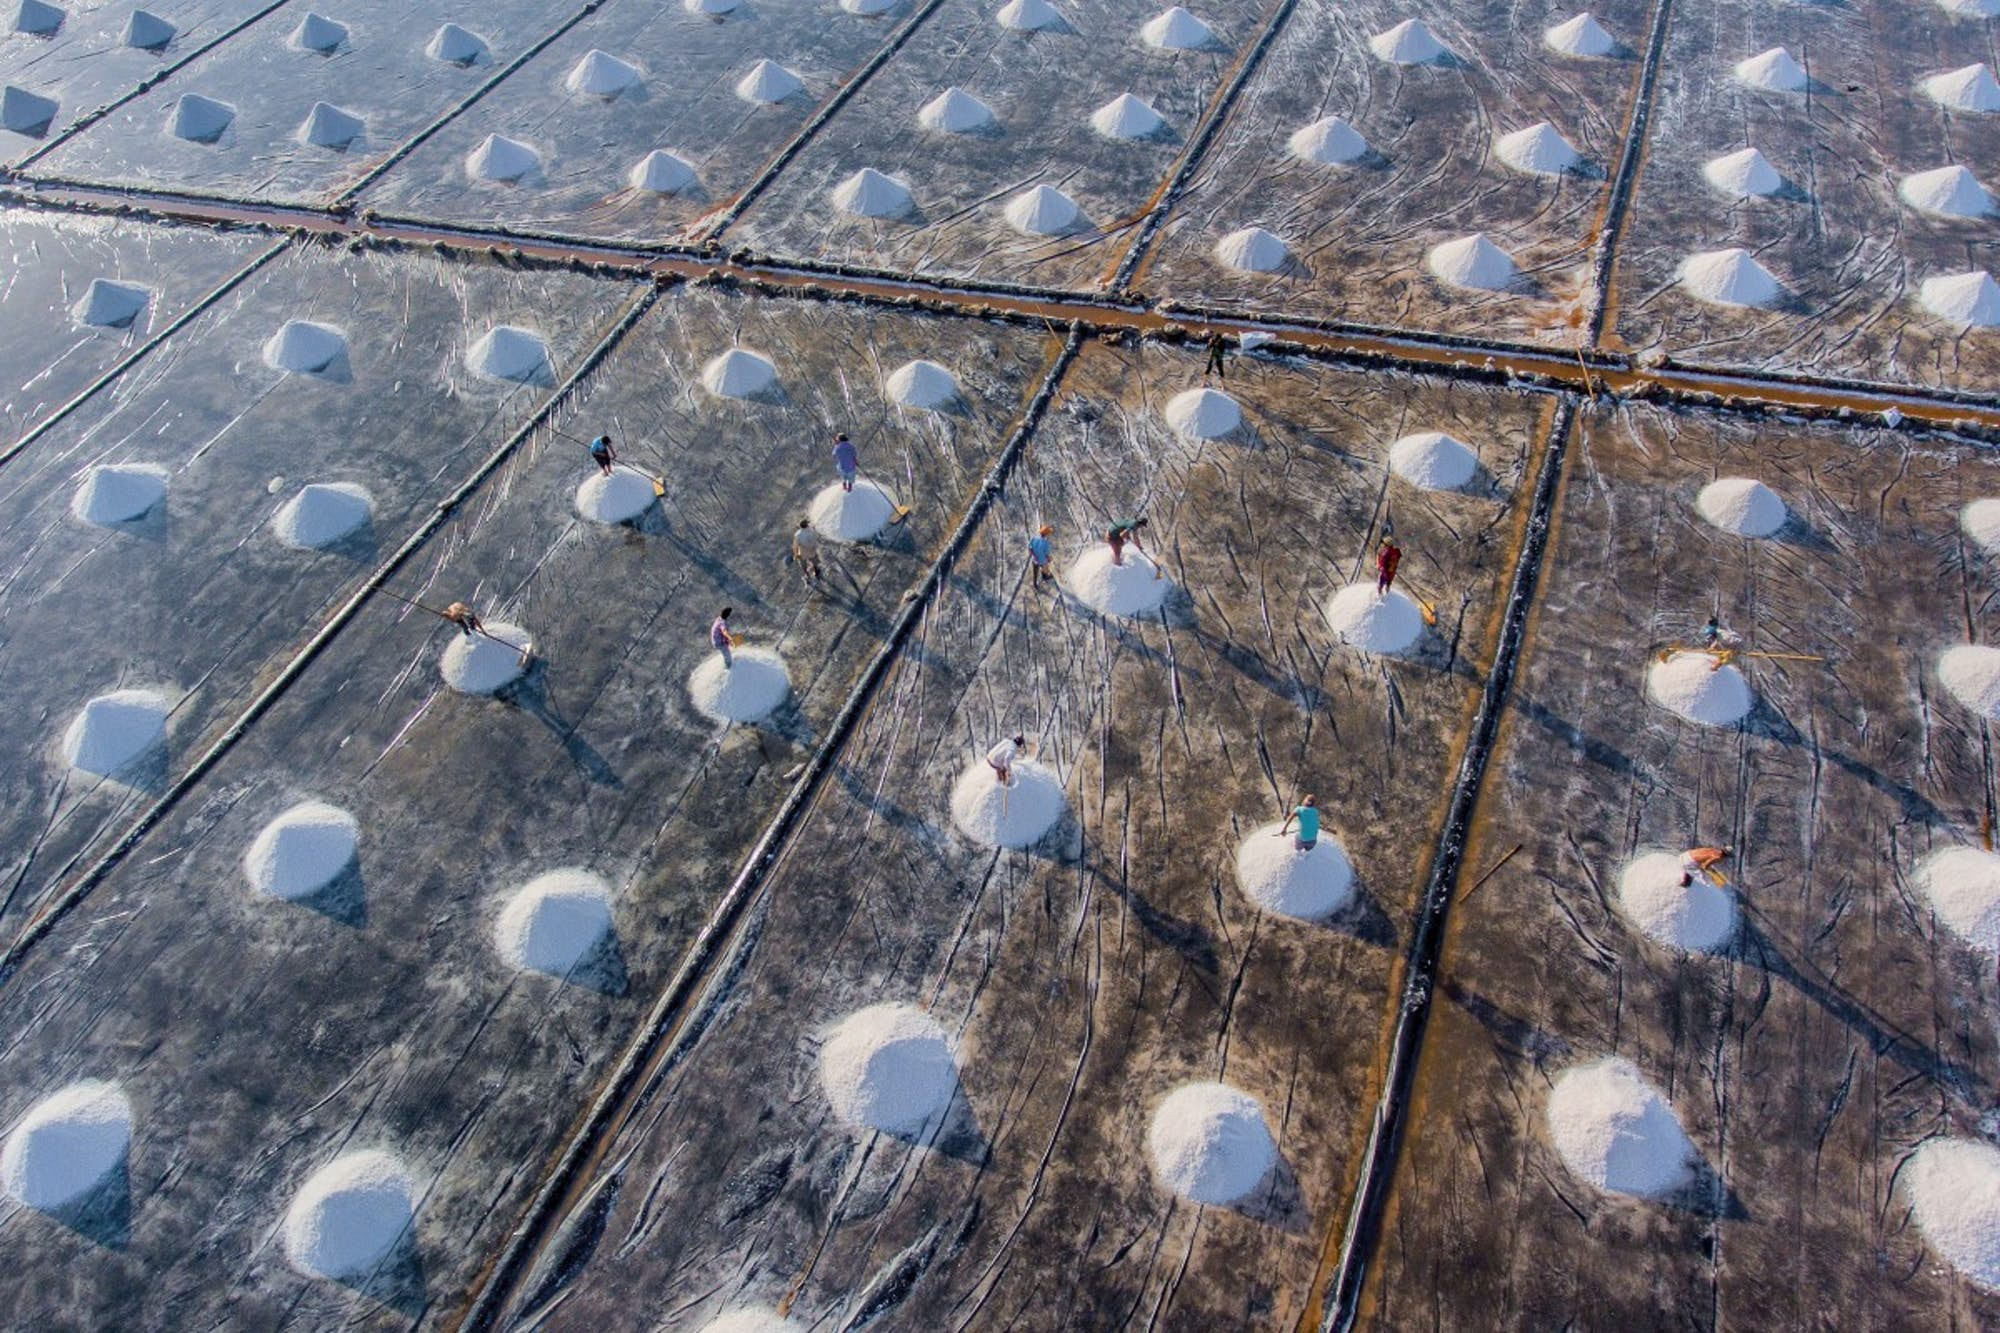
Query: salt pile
(868, 8)
(477, 664)
(888, 1067)
(1253, 250)
(147, 32)
(511, 354)
(26, 113)
(1963, 885)
(1742, 506)
(1203, 414)
(302, 851)
(870, 194)
(114, 730)
(499, 158)
(1209, 1143)
(1472, 262)
(1280, 878)
(750, 1319)
(1176, 30)
(710, 8)
(329, 126)
(1729, 277)
(739, 373)
(554, 922)
(323, 513)
(66, 1144)
(112, 305)
(318, 34)
(457, 46)
(1954, 1189)
(1408, 43)
(118, 493)
(1330, 141)
(1135, 588)
(661, 172)
(1971, 9)
(1971, 672)
(1580, 36)
(1374, 623)
(925, 385)
(1699, 917)
(1745, 174)
(1772, 71)
(1126, 117)
(1971, 299)
(618, 497)
(1971, 88)
(1692, 686)
(350, 1215)
(1538, 151)
(1950, 192)
(1016, 816)
(768, 82)
(955, 111)
(1028, 15)
(851, 516)
(601, 74)
(302, 347)
(38, 18)
(750, 691)
(1043, 210)
(1981, 521)
(1433, 461)
(1615, 1131)
(199, 119)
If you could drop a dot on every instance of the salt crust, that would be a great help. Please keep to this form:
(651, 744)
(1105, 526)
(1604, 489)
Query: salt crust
(350, 1215)
(554, 922)
(1129, 589)
(750, 691)
(67, 1144)
(1279, 878)
(475, 664)
(1699, 917)
(1614, 1130)
(302, 850)
(1386, 623)
(1209, 1143)
(1691, 685)
(888, 1067)
(1740, 505)
(851, 516)
(1023, 817)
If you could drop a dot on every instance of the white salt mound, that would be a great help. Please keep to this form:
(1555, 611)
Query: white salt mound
(1043, 210)
(921, 384)
(1691, 685)
(1130, 589)
(769, 83)
(66, 1144)
(1175, 29)
(1971, 88)
(302, 347)
(868, 8)
(38, 18)
(302, 851)
(1017, 816)
(1954, 1187)
(617, 498)
(1329, 141)
(318, 34)
(199, 119)
(739, 373)
(1388, 623)
(499, 158)
(1950, 192)
(1537, 150)
(1742, 506)
(1698, 918)
(1729, 277)
(475, 664)
(750, 691)
(512, 355)
(1408, 43)
(350, 1215)
(750, 1319)
(661, 172)
(1126, 117)
(1580, 36)
(1472, 262)
(554, 922)
(1209, 1143)
(457, 46)
(1971, 299)
(1433, 461)
(711, 8)
(955, 111)
(851, 516)
(1963, 885)
(1971, 672)
(1615, 1131)
(1772, 71)
(322, 513)
(119, 493)
(1971, 9)
(114, 730)
(1253, 250)
(1203, 414)
(1028, 15)
(1744, 174)
(870, 194)
(112, 305)
(1279, 878)
(1981, 521)
(601, 74)
(329, 126)
(26, 113)
(888, 1067)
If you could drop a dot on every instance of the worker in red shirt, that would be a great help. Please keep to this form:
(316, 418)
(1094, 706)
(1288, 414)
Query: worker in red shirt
(1386, 559)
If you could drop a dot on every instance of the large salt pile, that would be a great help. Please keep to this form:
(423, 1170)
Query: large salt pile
(1580, 36)
(26, 113)
(38, 18)
(1745, 174)
(1126, 117)
(1693, 686)
(617, 497)
(118, 493)
(1971, 671)
(350, 1215)
(116, 730)
(888, 1067)
(1279, 878)
(199, 119)
(1175, 29)
(1374, 622)
(499, 158)
(842, 515)
(1209, 1143)
(483, 663)
(1472, 262)
(1028, 15)
(1408, 43)
(1203, 414)
(1043, 210)
(1949, 192)
(1329, 141)
(554, 922)
(1433, 461)
(1963, 885)
(768, 82)
(1016, 816)
(112, 305)
(1135, 588)
(1537, 151)
(710, 8)
(457, 46)
(925, 385)
(67, 1144)
(870, 194)
(1954, 1187)
(318, 34)
(302, 851)
(868, 8)
(739, 373)
(1971, 299)
(303, 347)
(1698, 917)
(661, 172)
(1253, 250)
(1615, 1131)
(750, 1319)
(1729, 277)
(323, 513)
(512, 355)
(329, 126)
(1971, 88)
(601, 74)
(1772, 71)
(1742, 506)
(749, 691)
(1981, 521)
(955, 111)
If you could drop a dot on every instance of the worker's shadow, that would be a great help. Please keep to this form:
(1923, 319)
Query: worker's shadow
(1766, 722)
(530, 694)
(876, 802)
(1291, 687)
(1187, 938)
(1594, 751)
(1512, 1034)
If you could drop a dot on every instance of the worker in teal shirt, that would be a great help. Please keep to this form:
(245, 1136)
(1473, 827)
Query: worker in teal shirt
(1307, 813)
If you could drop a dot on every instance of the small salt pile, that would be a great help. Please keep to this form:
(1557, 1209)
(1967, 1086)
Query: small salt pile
(554, 922)
(1433, 461)
(499, 158)
(199, 119)
(1971, 672)
(870, 194)
(118, 493)
(1744, 174)
(1971, 299)
(454, 45)
(841, 515)
(1691, 685)
(483, 663)
(67, 1144)
(710, 8)
(146, 31)
(323, 513)
(1971, 9)
(768, 82)
(1253, 250)
(329, 126)
(1472, 262)
(350, 1215)
(1697, 917)
(749, 691)
(1329, 141)
(511, 355)
(617, 497)
(1614, 1130)
(1017, 816)
(1028, 15)
(303, 347)
(26, 113)
(1950, 192)
(1537, 151)
(750, 1319)
(1740, 505)
(1043, 210)
(661, 172)
(1772, 71)
(924, 385)
(1135, 588)
(1279, 878)
(38, 18)
(112, 305)
(1580, 36)
(955, 111)
(318, 34)
(1981, 521)
(1970, 88)
(739, 373)
(1175, 29)
(302, 851)
(601, 74)
(1374, 622)
(1963, 886)
(116, 730)
(1408, 43)
(1954, 1187)
(1204, 414)
(1209, 1143)
(888, 1067)
(868, 8)
(1126, 117)
(1729, 277)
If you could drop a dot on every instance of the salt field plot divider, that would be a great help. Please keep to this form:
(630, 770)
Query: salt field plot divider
(1615, 207)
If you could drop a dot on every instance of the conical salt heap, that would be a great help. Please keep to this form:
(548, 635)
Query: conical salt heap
(26, 113)
(1028, 15)
(1729, 277)
(112, 305)
(501, 159)
(870, 194)
(710, 8)
(1126, 117)
(661, 172)
(512, 355)
(1745, 173)
(601, 74)
(147, 32)
(1537, 150)
(1330, 141)
(351, 1216)
(38, 18)
(1954, 1189)
(955, 111)
(303, 347)
(1472, 262)
(199, 119)
(921, 384)
(1176, 30)
(1580, 36)
(1949, 192)
(1612, 1128)
(768, 82)
(1253, 250)
(739, 373)
(1971, 88)
(1971, 9)
(329, 126)
(868, 8)
(1204, 414)
(68, 1144)
(456, 46)
(1408, 43)
(318, 34)
(1772, 71)
(1972, 299)
(1043, 210)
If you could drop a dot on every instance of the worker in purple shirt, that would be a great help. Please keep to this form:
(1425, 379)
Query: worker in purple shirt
(847, 458)
(719, 635)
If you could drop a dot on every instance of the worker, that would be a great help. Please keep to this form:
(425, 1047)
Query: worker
(1387, 557)
(1307, 813)
(805, 549)
(846, 458)
(603, 454)
(1701, 861)
(1217, 345)
(1719, 643)
(1002, 756)
(467, 619)
(1039, 552)
(1124, 530)
(722, 640)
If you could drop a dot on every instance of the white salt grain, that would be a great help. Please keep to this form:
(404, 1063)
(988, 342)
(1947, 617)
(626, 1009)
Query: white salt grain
(116, 730)
(955, 111)
(1580, 36)
(1472, 262)
(1253, 250)
(1971, 672)
(119, 493)
(1043, 210)
(1329, 141)
(1963, 886)
(1209, 1143)
(1538, 150)
(924, 385)
(1969, 88)
(739, 373)
(1772, 71)
(302, 851)
(1954, 1187)
(1614, 1130)
(618, 498)
(1981, 521)
(67, 1144)
(851, 516)
(512, 355)
(1408, 43)
(888, 1067)
(1744, 174)
(1949, 192)
(554, 922)
(661, 172)
(1204, 414)
(1729, 277)
(1433, 461)
(1970, 299)
(870, 194)
(477, 664)
(1740, 505)
(350, 1215)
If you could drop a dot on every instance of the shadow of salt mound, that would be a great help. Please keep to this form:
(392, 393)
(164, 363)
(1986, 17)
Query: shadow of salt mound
(102, 1214)
(1278, 1201)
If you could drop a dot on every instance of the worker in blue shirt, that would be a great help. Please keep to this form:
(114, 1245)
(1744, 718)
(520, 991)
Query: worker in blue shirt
(1039, 552)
